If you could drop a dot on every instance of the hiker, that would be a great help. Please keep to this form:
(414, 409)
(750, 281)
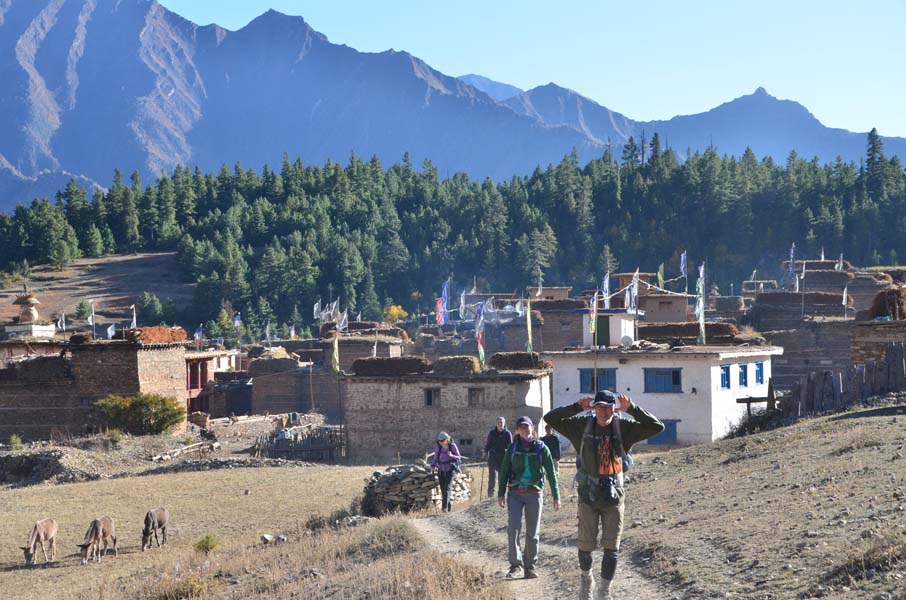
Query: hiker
(447, 462)
(603, 442)
(499, 440)
(526, 462)
(553, 444)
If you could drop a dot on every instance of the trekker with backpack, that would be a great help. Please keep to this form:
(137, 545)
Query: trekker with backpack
(499, 440)
(447, 461)
(603, 442)
(526, 462)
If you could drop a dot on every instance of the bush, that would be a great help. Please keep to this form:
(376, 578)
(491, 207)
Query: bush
(206, 544)
(192, 586)
(142, 414)
(113, 437)
(15, 443)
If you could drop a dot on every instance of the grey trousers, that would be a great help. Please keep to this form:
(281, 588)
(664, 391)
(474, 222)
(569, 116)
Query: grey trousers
(531, 505)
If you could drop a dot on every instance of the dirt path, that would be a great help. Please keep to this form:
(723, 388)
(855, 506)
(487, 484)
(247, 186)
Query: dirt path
(470, 537)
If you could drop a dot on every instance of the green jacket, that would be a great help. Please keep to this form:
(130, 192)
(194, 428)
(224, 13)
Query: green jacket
(566, 422)
(528, 460)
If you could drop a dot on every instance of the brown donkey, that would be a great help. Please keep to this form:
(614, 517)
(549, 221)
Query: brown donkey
(154, 520)
(101, 530)
(44, 530)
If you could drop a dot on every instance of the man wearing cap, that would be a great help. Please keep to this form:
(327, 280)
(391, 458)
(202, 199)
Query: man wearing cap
(526, 462)
(603, 442)
(499, 440)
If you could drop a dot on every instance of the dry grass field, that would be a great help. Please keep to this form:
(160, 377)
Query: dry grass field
(115, 281)
(277, 500)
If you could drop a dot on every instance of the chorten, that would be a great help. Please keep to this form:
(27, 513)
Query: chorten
(29, 324)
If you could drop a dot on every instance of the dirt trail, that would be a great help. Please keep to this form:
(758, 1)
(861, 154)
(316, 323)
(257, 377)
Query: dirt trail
(472, 538)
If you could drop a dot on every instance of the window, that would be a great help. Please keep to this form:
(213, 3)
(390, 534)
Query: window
(725, 377)
(476, 397)
(607, 380)
(432, 396)
(663, 381)
(759, 373)
(465, 441)
(744, 375)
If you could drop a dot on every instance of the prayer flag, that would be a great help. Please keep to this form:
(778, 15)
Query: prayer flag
(793, 258)
(845, 290)
(519, 308)
(839, 265)
(267, 333)
(822, 252)
(682, 264)
(316, 311)
(753, 275)
(237, 321)
(374, 350)
(439, 311)
(528, 325)
(111, 331)
(660, 275)
(605, 289)
(700, 304)
(343, 321)
(199, 334)
(134, 320)
(335, 355)
(61, 322)
(358, 317)
(593, 317)
(292, 331)
(462, 305)
(538, 293)
(634, 295)
(445, 297)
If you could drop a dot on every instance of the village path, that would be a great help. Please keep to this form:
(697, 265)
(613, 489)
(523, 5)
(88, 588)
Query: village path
(469, 537)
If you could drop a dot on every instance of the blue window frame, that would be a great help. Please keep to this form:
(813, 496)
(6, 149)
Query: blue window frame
(759, 373)
(725, 377)
(607, 380)
(663, 381)
(743, 375)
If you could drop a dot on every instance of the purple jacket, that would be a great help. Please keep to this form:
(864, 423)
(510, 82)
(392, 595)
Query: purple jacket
(445, 458)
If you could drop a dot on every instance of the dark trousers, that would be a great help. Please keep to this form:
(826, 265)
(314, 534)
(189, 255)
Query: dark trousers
(446, 481)
(494, 464)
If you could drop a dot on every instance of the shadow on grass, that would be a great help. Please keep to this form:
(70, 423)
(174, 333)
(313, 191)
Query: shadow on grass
(884, 411)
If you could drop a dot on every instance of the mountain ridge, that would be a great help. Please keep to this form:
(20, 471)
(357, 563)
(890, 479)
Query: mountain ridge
(94, 84)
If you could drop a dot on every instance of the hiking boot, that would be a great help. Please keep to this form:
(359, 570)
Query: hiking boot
(604, 590)
(586, 585)
(530, 574)
(515, 572)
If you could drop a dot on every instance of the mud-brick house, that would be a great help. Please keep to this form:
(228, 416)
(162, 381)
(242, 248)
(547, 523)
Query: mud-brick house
(396, 407)
(692, 389)
(55, 393)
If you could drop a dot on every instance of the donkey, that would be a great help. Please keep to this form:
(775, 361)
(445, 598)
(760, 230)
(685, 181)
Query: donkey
(154, 520)
(44, 530)
(101, 530)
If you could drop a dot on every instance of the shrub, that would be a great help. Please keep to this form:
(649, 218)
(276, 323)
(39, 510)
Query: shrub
(206, 544)
(113, 437)
(142, 414)
(15, 443)
(192, 586)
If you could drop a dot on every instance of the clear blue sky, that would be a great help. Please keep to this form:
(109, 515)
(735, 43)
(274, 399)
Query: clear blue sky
(844, 60)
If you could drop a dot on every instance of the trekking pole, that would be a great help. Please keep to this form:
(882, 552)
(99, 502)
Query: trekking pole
(481, 485)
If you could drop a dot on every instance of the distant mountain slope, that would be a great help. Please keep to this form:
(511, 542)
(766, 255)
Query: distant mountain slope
(90, 85)
(495, 89)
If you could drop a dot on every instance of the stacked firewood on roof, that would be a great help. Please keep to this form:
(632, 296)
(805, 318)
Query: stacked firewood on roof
(405, 488)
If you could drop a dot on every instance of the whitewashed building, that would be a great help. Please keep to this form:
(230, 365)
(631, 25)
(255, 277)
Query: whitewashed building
(692, 389)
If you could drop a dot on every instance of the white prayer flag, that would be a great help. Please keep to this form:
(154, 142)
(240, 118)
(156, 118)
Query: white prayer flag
(111, 331)
(134, 322)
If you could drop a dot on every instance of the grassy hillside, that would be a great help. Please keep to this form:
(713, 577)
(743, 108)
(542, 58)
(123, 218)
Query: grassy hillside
(115, 282)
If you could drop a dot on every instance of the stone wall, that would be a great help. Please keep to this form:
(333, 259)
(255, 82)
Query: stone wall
(386, 416)
(562, 329)
(815, 346)
(781, 317)
(292, 391)
(55, 393)
(870, 339)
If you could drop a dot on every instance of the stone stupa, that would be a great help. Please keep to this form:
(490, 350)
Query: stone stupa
(29, 324)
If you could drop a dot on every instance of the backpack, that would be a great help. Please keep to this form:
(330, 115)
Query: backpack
(514, 449)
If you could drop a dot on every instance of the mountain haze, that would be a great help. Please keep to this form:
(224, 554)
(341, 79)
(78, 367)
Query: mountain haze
(90, 85)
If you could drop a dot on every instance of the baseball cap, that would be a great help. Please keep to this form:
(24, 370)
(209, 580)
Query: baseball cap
(523, 421)
(605, 397)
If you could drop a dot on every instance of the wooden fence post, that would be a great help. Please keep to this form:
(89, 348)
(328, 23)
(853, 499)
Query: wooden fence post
(880, 378)
(868, 389)
(838, 391)
(849, 386)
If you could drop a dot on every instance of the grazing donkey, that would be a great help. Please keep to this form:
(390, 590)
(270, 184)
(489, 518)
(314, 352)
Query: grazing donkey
(154, 520)
(44, 530)
(101, 530)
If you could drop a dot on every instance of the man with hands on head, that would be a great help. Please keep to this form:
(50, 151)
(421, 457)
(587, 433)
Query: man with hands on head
(603, 442)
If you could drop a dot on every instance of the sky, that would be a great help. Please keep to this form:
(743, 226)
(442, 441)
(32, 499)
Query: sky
(843, 60)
